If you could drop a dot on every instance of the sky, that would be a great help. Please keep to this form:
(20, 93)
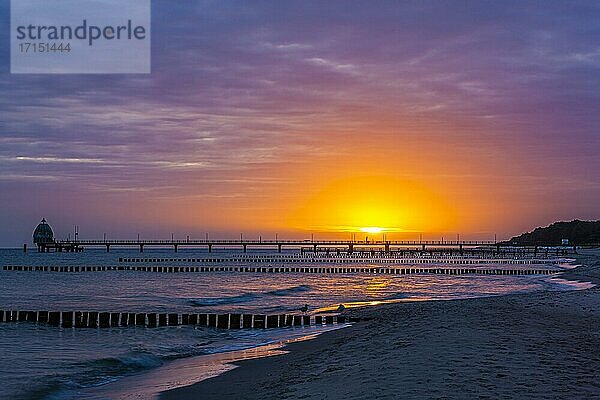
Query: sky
(308, 117)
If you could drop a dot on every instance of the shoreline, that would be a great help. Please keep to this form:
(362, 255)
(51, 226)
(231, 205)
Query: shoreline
(187, 371)
(324, 368)
(180, 373)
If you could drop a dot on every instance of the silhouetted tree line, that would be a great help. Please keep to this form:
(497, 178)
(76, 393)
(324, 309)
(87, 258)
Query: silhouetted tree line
(577, 232)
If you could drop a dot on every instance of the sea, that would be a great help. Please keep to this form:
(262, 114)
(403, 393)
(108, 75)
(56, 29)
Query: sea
(46, 362)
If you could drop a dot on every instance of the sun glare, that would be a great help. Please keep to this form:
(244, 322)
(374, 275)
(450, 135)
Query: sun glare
(373, 205)
(372, 229)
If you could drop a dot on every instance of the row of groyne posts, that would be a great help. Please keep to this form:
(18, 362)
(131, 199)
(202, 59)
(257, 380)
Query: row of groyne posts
(271, 269)
(344, 260)
(92, 319)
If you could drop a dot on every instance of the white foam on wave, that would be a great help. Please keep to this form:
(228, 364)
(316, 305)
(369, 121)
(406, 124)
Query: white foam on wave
(566, 284)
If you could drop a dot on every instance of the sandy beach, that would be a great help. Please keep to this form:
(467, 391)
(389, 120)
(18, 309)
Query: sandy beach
(541, 345)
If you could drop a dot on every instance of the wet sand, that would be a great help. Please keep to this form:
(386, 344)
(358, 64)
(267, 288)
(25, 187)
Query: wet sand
(541, 345)
(179, 373)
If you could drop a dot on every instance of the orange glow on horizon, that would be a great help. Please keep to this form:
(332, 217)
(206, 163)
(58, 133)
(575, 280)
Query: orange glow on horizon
(373, 205)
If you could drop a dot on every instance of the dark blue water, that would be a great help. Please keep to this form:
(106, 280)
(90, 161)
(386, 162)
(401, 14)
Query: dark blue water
(41, 362)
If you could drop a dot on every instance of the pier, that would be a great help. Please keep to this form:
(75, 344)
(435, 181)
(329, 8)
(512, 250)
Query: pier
(334, 247)
(349, 246)
(43, 237)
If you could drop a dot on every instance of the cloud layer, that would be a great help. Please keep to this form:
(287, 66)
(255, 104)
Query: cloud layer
(253, 105)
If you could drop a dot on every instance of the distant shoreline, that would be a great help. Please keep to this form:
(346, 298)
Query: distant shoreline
(495, 346)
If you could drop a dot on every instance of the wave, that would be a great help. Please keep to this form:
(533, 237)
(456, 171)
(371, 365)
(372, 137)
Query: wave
(247, 297)
(289, 291)
(41, 391)
(87, 374)
(130, 362)
(218, 301)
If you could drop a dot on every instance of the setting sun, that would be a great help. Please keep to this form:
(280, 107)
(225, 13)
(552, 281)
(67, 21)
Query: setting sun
(372, 229)
(374, 204)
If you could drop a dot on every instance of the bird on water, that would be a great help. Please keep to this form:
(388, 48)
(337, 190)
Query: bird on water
(304, 309)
